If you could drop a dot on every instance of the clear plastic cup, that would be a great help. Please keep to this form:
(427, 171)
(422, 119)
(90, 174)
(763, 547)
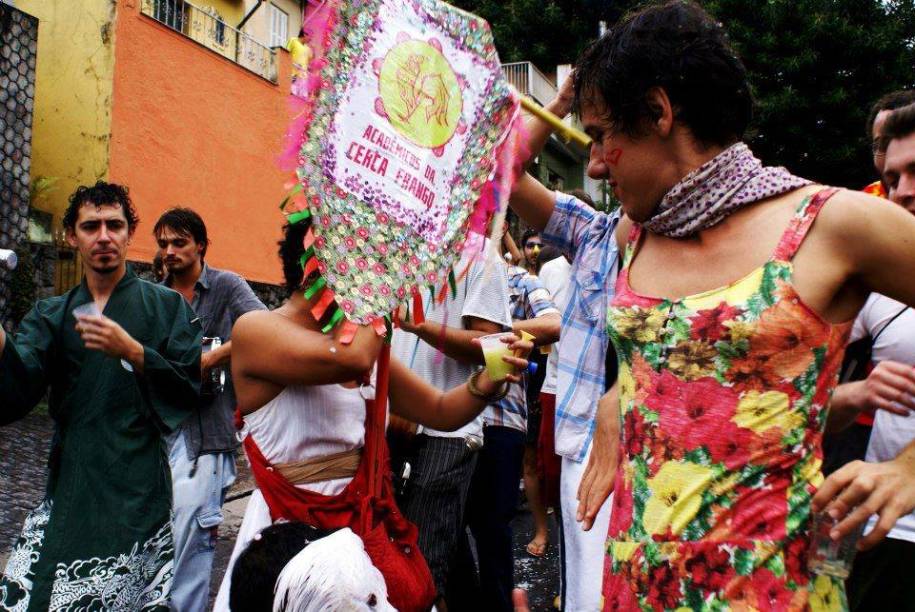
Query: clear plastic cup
(90, 309)
(827, 556)
(493, 351)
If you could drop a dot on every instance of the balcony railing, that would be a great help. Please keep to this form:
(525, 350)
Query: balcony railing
(528, 80)
(206, 27)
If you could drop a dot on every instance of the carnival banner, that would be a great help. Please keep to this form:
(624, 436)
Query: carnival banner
(407, 142)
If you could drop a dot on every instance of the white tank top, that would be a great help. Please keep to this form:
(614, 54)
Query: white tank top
(304, 422)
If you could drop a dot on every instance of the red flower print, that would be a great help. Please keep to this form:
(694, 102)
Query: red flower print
(350, 242)
(382, 248)
(704, 406)
(730, 445)
(709, 566)
(342, 267)
(378, 268)
(362, 233)
(708, 325)
(382, 218)
(767, 449)
(362, 264)
(366, 290)
(384, 290)
(796, 553)
(618, 593)
(664, 587)
(320, 242)
(401, 292)
(772, 594)
(760, 514)
(347, 306)
(635, 430)
(621, 511)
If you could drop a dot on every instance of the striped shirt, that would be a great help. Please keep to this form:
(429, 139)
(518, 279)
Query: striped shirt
(529, 299)
(587, 237)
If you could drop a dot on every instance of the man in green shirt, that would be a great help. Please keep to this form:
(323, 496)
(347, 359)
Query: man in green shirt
(120, 378)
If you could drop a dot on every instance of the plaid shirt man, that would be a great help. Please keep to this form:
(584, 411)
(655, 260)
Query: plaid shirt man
(587, 238)
(529, 299)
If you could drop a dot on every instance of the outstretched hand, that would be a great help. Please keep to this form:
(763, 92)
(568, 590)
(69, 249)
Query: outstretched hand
(600, 474)
(852, 494)
(890, 386)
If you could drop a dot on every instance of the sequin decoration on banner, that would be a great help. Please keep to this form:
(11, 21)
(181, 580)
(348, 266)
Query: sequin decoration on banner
(408, 123)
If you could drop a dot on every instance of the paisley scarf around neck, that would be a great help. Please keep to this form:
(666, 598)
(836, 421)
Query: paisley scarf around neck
(731, 180)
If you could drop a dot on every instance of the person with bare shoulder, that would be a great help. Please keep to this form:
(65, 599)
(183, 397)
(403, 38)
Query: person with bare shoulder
(303, 396)
(731, 311)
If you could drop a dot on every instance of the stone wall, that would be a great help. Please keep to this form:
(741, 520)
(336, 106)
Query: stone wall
(18, 54)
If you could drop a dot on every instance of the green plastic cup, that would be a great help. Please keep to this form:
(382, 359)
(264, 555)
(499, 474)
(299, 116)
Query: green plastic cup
(493, 351)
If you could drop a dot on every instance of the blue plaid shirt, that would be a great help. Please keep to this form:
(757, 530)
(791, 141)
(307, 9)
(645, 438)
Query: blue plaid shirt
(529, 299)
(587, 238)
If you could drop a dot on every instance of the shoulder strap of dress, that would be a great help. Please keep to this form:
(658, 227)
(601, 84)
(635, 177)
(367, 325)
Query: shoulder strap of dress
(800, 224)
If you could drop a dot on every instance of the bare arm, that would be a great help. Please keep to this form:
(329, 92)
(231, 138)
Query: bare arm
(509, 244)
(878, 240)
(416, 400)
(545, 329)
(532, 201)
(456, 343)
(269, 347)
(599, 477)
(890, 386)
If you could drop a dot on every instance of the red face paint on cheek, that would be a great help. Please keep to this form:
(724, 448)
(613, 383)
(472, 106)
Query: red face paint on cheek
(613, 158)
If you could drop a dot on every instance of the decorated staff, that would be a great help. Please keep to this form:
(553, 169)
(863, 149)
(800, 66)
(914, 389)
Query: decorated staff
(406, 143)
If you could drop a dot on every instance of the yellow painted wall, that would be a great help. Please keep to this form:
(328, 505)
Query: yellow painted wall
(74, 78)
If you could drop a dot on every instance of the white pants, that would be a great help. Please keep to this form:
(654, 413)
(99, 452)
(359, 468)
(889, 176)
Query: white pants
(582, 551)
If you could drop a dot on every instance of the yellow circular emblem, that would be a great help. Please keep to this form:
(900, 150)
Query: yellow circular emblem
(421, 94)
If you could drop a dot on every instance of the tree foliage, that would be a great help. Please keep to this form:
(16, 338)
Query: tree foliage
(816, 66)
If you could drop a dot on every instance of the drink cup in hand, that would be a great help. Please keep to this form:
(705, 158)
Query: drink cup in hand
(827, 556)
(90, 309)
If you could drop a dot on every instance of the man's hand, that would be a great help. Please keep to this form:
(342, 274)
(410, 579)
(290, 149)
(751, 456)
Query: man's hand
(561, 105)
(221, 356)
(858, 490)
(890, 386)
(103, 334)
(598, 479)
(409, 326)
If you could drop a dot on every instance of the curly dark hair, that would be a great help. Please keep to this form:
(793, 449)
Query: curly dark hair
(101, 194)
(290, 253)
(679, 47)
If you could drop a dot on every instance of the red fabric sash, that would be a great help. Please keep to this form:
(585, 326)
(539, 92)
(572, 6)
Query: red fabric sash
(366, 506)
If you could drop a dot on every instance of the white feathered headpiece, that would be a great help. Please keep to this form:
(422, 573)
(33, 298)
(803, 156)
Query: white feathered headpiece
(332, 574)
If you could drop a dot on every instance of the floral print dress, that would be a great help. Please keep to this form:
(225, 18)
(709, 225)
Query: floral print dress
(723, 399)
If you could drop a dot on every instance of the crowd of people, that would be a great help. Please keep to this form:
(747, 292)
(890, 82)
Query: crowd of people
(692, 370)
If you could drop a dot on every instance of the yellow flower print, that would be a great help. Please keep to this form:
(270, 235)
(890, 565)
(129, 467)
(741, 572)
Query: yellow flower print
(740, 330)
(691, 360)
(676, 496)
(626, 383)
(639, 324)
(623, 551)
(736, 294)
(763, 411)
(826, 596)
(810, 470)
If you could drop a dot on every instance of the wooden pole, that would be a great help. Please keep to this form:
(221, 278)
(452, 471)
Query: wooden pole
(567, 132)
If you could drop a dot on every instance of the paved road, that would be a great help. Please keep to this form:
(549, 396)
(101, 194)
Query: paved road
(24, 449)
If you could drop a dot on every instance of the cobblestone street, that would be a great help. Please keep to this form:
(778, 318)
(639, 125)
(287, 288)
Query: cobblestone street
(24, 448)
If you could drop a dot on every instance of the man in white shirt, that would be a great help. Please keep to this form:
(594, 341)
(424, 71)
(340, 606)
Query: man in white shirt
(881, 578)
(436, 493)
